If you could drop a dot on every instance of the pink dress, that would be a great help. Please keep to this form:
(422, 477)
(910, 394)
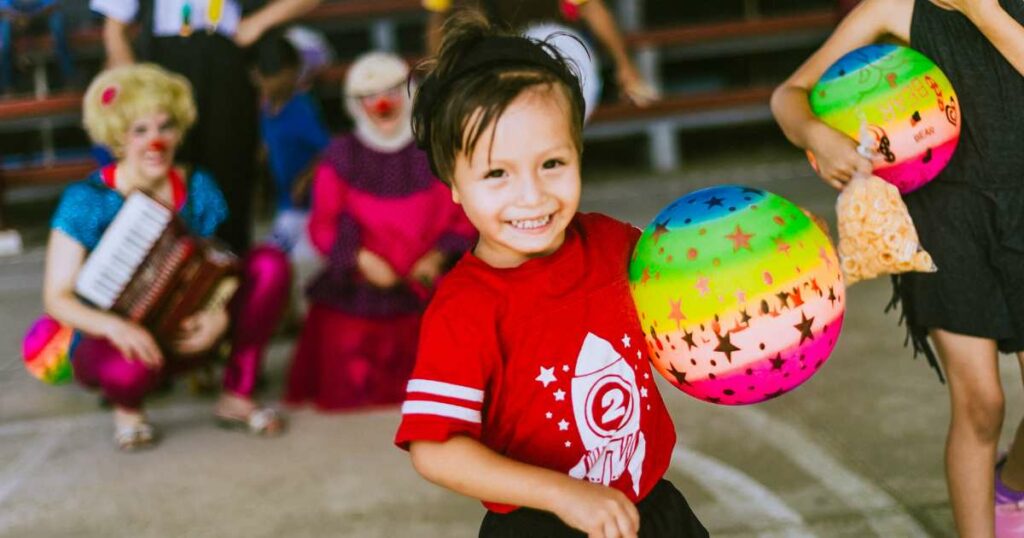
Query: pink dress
(358, 344)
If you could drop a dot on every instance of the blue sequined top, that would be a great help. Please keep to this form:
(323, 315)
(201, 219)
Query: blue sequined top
(87, 207)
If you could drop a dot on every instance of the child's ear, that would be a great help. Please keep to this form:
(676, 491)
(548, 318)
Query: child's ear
(455, 195)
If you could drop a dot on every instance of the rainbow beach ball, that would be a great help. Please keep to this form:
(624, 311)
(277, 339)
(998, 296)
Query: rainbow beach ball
(897, 102)
(739, 293)
(47, 349)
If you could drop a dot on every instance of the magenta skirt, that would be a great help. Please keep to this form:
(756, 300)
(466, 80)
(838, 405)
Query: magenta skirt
(344, 362)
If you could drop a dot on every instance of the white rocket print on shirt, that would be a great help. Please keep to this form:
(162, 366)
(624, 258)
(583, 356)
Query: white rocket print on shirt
(606, 404)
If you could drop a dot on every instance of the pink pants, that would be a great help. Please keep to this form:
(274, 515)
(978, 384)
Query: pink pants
(255, 311)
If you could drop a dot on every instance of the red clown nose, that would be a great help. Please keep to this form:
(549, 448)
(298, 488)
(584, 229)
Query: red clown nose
(158, 145)
(383, 106)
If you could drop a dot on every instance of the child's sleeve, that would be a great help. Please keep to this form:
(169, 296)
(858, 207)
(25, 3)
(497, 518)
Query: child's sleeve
(456, 359)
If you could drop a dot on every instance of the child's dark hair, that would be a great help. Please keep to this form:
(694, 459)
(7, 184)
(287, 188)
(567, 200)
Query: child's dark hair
(478, 72)
(274, 54)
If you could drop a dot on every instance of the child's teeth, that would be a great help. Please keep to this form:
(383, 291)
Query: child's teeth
(531, 224)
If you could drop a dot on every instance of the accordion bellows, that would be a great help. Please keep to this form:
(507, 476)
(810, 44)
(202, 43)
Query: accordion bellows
(148, 268)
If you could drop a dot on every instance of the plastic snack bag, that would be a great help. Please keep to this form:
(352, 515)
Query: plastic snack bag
(876, 233)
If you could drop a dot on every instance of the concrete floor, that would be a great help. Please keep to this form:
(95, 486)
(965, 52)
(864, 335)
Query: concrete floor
(855, 452)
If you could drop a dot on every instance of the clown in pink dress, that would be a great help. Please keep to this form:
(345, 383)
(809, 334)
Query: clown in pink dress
(387, 229)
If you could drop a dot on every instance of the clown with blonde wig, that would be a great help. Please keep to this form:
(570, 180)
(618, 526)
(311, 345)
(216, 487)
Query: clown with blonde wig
(118, 96)
(388, 230)
(142, 113)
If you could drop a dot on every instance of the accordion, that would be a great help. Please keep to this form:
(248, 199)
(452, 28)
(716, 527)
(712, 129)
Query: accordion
(149, 269)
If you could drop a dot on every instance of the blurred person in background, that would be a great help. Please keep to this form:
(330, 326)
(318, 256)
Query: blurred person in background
(388, 230)
(562, 22)
(293, 135)
(142, 112)
(17, 16)
(204, 40)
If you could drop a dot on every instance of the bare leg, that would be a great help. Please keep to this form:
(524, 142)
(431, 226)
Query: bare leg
(1013, 469)
(976, 398)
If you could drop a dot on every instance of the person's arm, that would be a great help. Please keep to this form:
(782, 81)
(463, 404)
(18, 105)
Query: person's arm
(835, 153)
(252, 27)
(468, 467)
(117, 44)
(326, 204)
(1002, 30)
(64, 259)
(595, 13)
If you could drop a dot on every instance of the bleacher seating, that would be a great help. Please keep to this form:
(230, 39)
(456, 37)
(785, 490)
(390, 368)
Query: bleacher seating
(661, 123)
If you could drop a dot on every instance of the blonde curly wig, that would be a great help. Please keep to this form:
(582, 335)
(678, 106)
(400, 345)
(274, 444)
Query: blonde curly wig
(119, 96)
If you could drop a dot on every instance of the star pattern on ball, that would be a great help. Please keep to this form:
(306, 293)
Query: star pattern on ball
(703, 286)
(547, 376)
(805, 327)
(832, 295)
(677, 312)
(680, 376)
(660, 229)
(781, 245)
(783, 299)
(725, 345)
(559, 395)
(744, 316)
(688, 338)
(714, 201)
(740, 239)
(645, 276)
(778, 362)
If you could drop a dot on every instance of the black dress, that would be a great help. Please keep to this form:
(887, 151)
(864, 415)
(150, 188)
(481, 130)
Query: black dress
(971, 216)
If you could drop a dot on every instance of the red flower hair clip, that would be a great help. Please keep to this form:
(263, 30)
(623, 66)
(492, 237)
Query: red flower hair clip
(109, 94)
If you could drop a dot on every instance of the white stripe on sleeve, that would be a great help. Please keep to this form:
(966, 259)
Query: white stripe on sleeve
(439, 388)
(420, 407)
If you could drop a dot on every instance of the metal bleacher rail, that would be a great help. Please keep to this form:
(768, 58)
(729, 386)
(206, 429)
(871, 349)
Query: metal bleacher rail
(661, 123)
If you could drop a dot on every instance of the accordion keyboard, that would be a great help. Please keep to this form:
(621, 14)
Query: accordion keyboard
(122, 249)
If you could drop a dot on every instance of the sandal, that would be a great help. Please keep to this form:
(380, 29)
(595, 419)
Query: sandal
(135, 437)
(261, 421)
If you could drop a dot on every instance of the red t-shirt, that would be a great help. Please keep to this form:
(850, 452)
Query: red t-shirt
(545, 363)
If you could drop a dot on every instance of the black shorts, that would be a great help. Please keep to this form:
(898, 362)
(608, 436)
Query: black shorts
(664, 512)
(976, 238)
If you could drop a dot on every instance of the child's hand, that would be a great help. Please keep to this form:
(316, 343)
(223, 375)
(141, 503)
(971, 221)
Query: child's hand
(428, 268)
(133, 341)
(200, 331)
(836, 156)
(599, 511)
(635, 88)
(376, 270)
